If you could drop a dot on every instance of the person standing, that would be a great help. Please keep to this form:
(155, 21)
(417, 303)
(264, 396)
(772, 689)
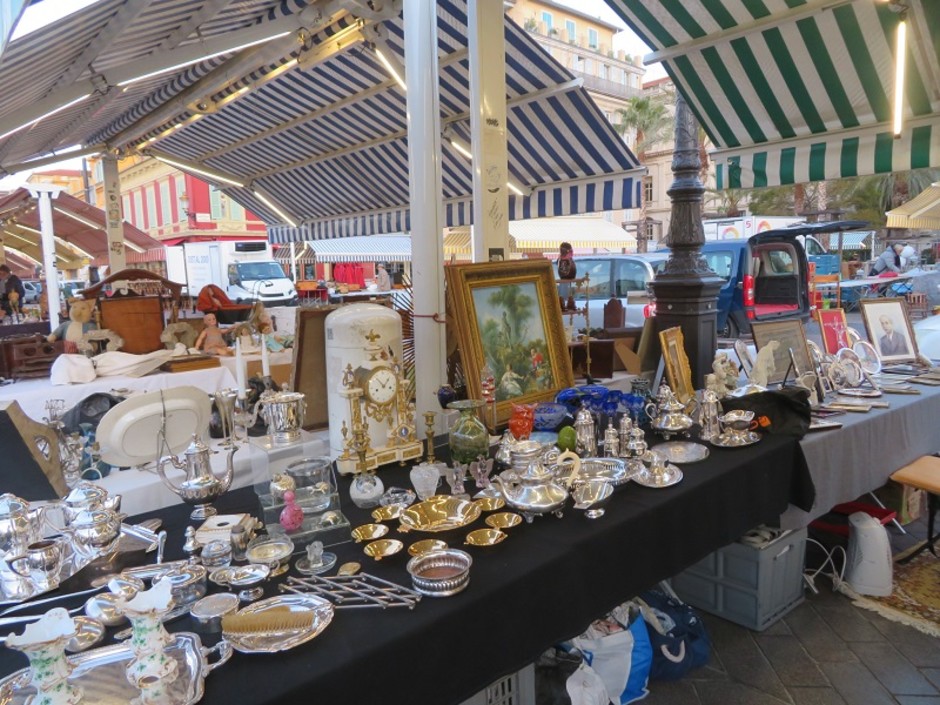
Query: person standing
(11, 285)
(567, 269)
(383, 282)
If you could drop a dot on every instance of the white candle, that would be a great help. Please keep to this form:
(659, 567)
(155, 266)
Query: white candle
(265, 362)
(240, 370)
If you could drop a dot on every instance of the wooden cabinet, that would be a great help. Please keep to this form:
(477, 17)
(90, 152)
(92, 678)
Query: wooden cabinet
(137, 319)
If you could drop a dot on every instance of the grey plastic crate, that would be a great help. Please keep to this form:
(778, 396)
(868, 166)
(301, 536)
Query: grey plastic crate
(747, 585)
(515, 689)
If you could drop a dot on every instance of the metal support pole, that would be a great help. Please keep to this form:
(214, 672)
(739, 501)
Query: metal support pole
(427, 216)
(687, 290)
(293, 261)
(488, 129)
(117, 254)
(45, 193)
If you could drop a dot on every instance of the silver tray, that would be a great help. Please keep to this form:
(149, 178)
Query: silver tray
(613, 469)
(727, 441)
(671, 476)
(100, 673)
(682, 451)
(272, 643)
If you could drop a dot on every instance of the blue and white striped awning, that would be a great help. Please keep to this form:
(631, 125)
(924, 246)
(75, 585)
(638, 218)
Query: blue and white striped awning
(311, 121)
(852, 241)
(378, 248)
(792, 91)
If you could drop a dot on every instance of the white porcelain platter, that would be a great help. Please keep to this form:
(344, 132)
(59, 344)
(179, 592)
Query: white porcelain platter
(130, 433)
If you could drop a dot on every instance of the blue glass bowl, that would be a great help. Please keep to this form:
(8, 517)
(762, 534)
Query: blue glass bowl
(548, 414)
(571, 398)
(596, 396)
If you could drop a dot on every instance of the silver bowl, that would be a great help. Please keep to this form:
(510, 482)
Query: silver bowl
(440, 573)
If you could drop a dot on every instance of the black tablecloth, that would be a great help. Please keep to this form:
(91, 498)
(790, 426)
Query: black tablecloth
(546, 582)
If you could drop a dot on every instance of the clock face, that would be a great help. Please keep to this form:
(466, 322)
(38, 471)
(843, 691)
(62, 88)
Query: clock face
(381, 386)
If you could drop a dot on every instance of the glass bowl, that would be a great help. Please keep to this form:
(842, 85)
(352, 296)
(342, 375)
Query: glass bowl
(273, 550)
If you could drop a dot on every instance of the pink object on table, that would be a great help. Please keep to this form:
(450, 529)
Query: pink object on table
(292, 516)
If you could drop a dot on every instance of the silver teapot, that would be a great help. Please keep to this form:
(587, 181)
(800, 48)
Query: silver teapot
(200, 487)
(534, 490)
(668, 415)
(20, 525)
(86, 496)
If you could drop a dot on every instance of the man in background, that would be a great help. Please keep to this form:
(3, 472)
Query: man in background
(11, 284)
(889, 261)
(383, 282)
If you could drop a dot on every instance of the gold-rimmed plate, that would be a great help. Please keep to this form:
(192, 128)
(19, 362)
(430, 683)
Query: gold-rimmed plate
(439, 513)
(383, 548)
(425, 545)
(369, 532)
(485, 537)
(388, 512)
(503, 520)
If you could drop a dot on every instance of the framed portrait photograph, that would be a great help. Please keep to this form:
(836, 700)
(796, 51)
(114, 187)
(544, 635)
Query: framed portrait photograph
(507, 315)
(791, 336)
(678, 370)
(834, 330)
(889, 329)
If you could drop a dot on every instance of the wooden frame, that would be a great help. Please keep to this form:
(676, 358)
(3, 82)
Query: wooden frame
(507, 315)
(834, 330)
(678, 370)
(790, 334)
(308, 368)
(883, 319)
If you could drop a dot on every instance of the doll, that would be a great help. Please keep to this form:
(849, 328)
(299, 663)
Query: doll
(211, 339)
(81, 312)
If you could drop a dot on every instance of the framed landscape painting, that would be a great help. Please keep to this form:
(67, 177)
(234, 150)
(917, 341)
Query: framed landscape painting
(506, 316)
(889, 329)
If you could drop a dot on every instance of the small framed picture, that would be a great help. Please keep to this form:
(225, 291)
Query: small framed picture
(889, 329)
(678, 370)
(834, 329)
(791, 336)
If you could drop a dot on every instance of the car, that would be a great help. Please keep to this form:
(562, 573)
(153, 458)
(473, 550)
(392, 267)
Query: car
(32, 291)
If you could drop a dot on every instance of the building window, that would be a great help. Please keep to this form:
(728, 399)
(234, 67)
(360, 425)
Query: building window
(236, 211)
(592, 39)
(623, 77)
(215, 203)
(648, 189)
(166, 214)
(139, 209)
(588, 66)
(603, 71)
(151, 208)
(547, 21)
(126, 207)
(570, 30)
(180, 190)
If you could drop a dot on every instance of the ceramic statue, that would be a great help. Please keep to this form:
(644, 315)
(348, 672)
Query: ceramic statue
(43, 642)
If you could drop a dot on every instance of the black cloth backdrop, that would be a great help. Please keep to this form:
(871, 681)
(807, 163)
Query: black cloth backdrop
(545, 583)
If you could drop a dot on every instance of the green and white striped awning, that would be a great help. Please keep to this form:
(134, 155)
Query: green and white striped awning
(792, 91)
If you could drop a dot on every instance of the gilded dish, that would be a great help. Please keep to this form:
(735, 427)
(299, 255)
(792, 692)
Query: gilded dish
(388, 512)
(503, 520)
(383, 548)
(485, 537)
(425, 545)
(490, 504)
(439, 513)
(368, 532)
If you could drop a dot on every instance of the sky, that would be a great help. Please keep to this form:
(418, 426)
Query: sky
(42, 13)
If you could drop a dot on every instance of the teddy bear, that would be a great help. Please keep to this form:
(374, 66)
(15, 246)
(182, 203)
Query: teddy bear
(81, 312)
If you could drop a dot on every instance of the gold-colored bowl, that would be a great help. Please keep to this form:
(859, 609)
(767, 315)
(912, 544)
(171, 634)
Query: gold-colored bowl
(439, 513)
(485, 537)
(503, 520)
(490, 504)
(367, 532)
(383, 548)
(425, 545)
(388, 512)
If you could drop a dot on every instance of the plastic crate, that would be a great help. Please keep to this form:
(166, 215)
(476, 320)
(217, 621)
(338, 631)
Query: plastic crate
(748, 585)
(515, 689)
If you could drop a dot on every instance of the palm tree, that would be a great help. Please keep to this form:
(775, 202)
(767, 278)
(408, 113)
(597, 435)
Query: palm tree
(652, 122)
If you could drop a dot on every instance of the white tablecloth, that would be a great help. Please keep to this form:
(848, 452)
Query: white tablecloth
(32, 394)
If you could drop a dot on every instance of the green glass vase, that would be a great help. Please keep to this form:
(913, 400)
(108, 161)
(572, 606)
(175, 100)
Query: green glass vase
(469, 440)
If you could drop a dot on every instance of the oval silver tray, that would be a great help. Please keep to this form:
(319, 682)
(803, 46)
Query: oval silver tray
(268, 642)
(672, 476)
(613, 469)
(100, 673)
(726, 441)
(682, 451)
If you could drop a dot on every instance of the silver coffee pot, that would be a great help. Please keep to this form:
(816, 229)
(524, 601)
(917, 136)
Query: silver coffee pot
(200, 487)
(668, 415)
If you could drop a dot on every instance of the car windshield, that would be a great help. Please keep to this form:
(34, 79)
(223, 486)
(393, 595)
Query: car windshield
(253, 271)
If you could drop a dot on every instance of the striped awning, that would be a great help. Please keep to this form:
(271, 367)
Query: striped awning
(311, 123)
(379, 248)
(852, 241)
(545, 234)
(792, 91)
(920, 213)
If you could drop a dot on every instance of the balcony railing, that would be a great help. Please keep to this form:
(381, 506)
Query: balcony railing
(606, 86)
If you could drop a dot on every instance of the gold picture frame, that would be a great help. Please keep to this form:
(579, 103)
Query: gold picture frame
(792, 336)
(678, 370)
(507, 315)
(894, 344)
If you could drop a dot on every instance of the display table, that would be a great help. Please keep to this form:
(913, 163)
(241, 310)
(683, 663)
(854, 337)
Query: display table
(543, 584)
(846, 463)
(32, 394)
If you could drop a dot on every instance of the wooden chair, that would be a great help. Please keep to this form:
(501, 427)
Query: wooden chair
(917, 304)
(923, 474)
(828, 279)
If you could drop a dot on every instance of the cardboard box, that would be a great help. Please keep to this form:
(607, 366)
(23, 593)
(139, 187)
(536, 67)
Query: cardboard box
(280, 373)
(908, 502)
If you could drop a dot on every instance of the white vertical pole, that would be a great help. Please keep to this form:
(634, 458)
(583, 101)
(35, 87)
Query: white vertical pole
(117, 254)
(293, 261)
(47, 237)
(427, 216)
(488, 128)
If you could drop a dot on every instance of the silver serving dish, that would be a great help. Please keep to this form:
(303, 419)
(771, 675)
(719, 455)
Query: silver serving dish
(732, 439)
(100, 673)
(682, 451)
(591, 495)
(614, 470)
(269, 643)
(440, 573)
(188, 581)
(671, 475)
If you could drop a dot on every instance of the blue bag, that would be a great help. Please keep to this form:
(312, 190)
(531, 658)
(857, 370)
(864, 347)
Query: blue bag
(677, 634)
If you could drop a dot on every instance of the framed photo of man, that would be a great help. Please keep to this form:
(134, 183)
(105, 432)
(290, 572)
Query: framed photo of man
(889, 329)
